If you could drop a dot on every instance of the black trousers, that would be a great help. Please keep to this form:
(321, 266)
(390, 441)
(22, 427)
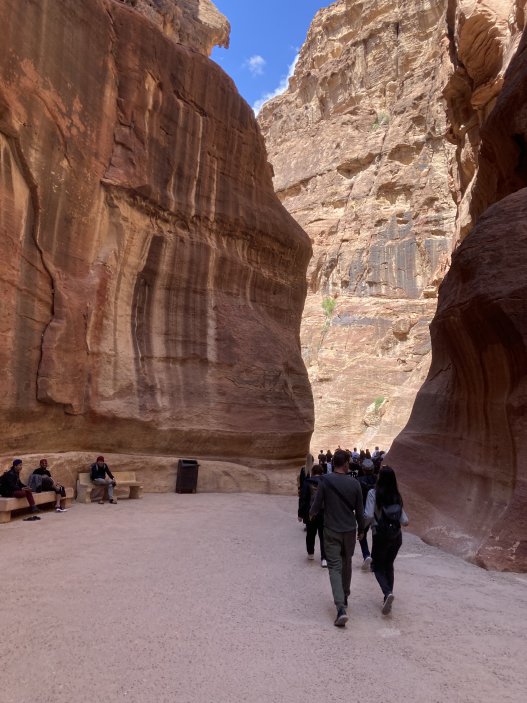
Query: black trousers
(49, 485)
(383, 555)
(312, 528)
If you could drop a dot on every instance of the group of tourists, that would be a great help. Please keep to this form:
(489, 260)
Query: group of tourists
(40, 480)
(341, 507)
(356, 459)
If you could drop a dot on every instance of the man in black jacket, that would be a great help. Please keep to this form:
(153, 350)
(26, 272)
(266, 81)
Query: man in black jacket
(98, 473)
(40, 480)
(341, 497)
(12, 487)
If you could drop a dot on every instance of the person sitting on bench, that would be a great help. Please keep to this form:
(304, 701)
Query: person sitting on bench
(40, 480)
(98, 472)
(12, 487)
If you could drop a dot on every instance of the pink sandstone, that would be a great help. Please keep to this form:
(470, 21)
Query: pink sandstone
(151, 283)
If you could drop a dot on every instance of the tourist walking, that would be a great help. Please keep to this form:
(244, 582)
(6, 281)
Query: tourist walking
(341, 498)
(367, 482)
(384, 510)
(316, 525)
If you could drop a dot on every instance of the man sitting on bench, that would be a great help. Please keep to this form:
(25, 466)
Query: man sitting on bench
(12, 487)
(40, 480)
(98, 472)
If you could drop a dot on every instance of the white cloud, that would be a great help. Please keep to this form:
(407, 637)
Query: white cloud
(281, 88)
(256, 65)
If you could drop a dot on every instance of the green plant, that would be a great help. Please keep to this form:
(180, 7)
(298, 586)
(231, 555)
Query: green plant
(329, 305)
(382, 119)
(378, 402)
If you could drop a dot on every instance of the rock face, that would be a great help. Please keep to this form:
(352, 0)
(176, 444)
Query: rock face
(416, 115)
(483, 37)
(152, 284)
(463, 454)
(195, 23)
(360, 160)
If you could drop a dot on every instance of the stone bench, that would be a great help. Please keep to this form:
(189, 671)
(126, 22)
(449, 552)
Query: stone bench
(88, 491)
(8, 505)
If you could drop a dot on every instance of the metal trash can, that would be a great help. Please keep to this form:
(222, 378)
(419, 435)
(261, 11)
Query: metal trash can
(187, 476)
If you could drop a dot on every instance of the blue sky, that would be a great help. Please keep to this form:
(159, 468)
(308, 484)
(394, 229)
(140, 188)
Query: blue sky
(265, 39)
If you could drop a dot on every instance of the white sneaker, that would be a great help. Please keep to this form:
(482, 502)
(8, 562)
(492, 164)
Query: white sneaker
(310, 557)
(324, 564)
(61, 510)
(366, 564)
(387, 605)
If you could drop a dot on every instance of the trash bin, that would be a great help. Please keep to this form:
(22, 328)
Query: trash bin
(187, 476)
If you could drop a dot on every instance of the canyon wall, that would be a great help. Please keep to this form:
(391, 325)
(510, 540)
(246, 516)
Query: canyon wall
(402, 124)
(151, 282)
(360, 158)
(463, 454)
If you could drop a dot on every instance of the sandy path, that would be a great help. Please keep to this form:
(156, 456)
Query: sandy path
(210, 599)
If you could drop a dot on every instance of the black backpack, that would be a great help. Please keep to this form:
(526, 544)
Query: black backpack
(366, 483)
(389, 522)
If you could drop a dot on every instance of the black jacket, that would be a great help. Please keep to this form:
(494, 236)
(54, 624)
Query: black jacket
(10, 482)
(367, 482)
(41, 471)
(307, 495)
(97, 471)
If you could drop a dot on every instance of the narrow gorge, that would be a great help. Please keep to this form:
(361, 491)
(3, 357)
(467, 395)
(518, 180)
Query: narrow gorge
(403, 122)
(153, 275)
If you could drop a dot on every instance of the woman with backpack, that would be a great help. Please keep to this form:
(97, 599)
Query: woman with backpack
(384, 510)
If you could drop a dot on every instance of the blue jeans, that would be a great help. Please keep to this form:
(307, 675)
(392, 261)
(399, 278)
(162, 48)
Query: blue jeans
(364, 544)
(105, 482)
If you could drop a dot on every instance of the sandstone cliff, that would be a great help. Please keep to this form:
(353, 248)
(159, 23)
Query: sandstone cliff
(151, 283)
(463, 455)
(196, 23)
(358, 148)
(415, 113)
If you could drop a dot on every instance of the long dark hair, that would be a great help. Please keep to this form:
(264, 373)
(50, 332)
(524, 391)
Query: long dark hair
(386, 490)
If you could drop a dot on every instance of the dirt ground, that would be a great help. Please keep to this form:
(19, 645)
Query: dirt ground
(209, 598)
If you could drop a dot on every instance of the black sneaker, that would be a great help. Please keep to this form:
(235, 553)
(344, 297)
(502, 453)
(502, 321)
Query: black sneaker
(341, 618)
(34, 509)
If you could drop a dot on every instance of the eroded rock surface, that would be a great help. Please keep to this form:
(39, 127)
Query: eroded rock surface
(403, 123)
(358, 148)
(463, 454)
(151, 283)
(196, 23)
(483, 37)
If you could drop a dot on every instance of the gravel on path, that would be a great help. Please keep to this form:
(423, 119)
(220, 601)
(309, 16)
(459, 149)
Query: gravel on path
(209, 598)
